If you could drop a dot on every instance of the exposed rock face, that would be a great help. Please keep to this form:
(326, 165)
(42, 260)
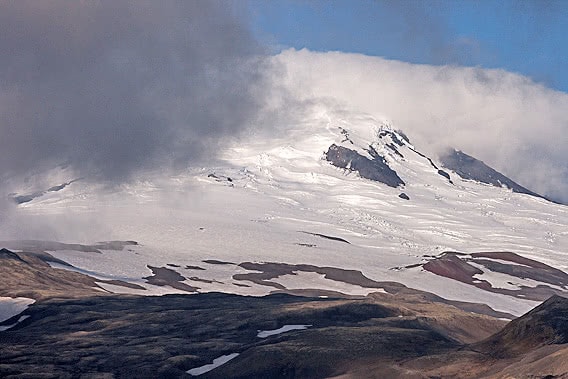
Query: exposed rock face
(469, 167)
(376, 169)
(404, 196)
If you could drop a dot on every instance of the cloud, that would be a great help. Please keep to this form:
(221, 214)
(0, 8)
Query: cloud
(114, 87)
(512, 123)
(111, 88)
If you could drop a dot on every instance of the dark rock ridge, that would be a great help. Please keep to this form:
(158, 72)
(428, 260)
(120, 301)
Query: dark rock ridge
(438, 170)
(471, 168)
(394, 137)
(7, 254)
(375, 169)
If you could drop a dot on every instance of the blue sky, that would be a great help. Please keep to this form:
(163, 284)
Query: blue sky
(526, 37)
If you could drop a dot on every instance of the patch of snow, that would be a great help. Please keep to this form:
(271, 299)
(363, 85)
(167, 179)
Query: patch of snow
(503, 261)
(10, 307)
(505, 281)
(90, 273)
(284, 329)
(216, 363)
(3, 328)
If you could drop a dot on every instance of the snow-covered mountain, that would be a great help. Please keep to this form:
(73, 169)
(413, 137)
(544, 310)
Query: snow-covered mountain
(397, 262)
(305, 208)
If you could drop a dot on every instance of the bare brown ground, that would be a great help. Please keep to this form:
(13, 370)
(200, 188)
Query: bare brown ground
(548, 362)
(28, 275)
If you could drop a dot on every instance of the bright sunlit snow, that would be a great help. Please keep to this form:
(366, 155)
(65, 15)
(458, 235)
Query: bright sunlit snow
(10, 307)
(216, 363)
(284, 329)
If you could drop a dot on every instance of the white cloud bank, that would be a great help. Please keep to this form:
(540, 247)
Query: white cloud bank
(507, 120)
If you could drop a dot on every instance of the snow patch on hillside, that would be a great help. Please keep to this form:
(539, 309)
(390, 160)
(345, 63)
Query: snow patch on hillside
(10, 307)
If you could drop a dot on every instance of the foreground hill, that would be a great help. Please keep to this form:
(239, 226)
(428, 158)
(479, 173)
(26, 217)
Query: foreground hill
(402, 335)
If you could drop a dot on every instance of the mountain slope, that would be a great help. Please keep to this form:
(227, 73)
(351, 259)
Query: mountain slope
(545, 325)
(336, 236)
(294, 198)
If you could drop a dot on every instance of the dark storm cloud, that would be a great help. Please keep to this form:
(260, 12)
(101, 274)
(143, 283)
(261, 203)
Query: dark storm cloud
(110, 87)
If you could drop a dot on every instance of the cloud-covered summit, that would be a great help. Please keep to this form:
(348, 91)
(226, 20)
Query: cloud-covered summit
(111, 88)
(512, 123)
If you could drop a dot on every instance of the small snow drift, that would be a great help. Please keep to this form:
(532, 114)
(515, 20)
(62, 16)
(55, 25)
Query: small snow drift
(284, 329)
(10, 307)
(376, 169)
(217, 362)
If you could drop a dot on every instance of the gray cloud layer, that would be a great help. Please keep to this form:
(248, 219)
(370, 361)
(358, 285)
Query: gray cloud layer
(113, 87)
(110, 87)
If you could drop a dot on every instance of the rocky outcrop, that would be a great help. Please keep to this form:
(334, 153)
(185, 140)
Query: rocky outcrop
(471, 168)
(375, 169)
